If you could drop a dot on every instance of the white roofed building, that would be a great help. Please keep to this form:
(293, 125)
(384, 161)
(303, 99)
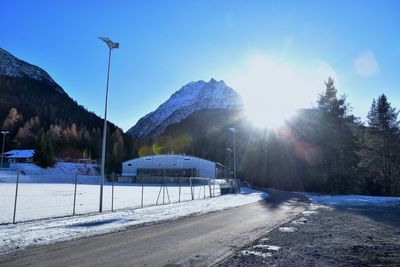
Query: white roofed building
(20, 155)
(172, 165)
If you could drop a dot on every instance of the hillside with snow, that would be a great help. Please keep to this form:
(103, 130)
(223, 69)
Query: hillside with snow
(62, 172)
(192, 97)
(14, 67)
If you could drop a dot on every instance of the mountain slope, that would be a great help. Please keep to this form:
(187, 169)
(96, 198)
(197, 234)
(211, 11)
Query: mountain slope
(190, 98)
(14, 67)
(33, 104)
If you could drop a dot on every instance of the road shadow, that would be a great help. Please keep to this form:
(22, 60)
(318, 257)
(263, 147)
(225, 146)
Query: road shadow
(379, 209)
(388, 213)
(94, 223)
(278, 197)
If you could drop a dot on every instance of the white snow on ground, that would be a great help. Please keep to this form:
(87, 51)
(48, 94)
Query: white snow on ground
(256, 253)
(312, 209)
(352, 199)
(62, 172)
(287, 229)
(309, 212)
(42, 200)
(22, 235)
(61, 168)
(301, 220)
(267, 247)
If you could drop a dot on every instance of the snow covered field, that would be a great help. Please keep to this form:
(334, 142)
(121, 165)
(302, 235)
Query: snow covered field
(62, 172)
(45, 200)
(22, 235)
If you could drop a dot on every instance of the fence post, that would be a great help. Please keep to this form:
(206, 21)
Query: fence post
(214, 188)
(169, 199)
(142, 191)
(209, 187)
(204, 187)
(16, 197)
(112, 192)
(163, 194)
(191, 188)
(179, 200)
(76, 182)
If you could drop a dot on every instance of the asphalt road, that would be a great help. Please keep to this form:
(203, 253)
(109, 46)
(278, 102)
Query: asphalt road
(196, 241)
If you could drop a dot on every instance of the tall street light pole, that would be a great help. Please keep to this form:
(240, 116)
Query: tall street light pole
(111, 45)
(2, 150)
(234, 131)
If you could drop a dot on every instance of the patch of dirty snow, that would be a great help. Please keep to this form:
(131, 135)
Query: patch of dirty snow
(267, 247)
(309, 212)
(287, 229)
(301, 220)
(257, 253)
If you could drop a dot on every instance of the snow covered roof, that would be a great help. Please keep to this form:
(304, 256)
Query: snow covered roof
(10, 152)
(170, 157)
(20, 154)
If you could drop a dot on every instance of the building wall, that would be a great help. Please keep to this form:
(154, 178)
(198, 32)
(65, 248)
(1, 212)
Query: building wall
(204, 168)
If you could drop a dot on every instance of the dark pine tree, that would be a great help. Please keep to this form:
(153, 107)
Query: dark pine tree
(337, 139)
(381, 147)
(44, 154)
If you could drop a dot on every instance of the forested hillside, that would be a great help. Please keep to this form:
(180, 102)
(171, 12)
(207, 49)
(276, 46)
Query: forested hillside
(37, 115)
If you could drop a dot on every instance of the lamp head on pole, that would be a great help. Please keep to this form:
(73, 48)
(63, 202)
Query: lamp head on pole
(109, 43)
(5, 132)
(228, 149)
(233, 130)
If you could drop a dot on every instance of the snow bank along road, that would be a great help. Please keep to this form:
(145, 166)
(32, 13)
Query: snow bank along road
(195, 241)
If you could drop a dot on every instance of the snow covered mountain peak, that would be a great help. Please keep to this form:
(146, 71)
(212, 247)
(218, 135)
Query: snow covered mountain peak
(191, 97)
(14, 67)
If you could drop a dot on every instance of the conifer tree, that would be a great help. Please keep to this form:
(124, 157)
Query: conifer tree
(337, 140)
(44, 154)
(381, 152)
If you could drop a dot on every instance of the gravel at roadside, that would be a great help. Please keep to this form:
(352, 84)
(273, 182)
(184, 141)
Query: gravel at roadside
(367, 235)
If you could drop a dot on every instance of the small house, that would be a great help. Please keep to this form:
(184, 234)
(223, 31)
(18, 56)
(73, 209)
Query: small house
(20, 155)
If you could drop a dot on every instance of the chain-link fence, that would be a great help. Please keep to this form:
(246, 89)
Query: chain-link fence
(23, 199)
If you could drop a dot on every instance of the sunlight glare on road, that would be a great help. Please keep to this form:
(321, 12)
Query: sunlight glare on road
(272, 89)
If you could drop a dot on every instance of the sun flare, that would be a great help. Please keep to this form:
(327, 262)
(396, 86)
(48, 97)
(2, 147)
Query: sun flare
(273, 90)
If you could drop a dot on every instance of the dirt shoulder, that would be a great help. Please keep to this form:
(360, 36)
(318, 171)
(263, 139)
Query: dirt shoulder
(363, 235)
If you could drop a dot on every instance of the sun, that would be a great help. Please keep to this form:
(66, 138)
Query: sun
(273, 90)
(267, 114)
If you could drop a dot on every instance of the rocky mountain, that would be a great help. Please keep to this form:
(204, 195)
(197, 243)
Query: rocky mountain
(14, 67)
(192, 97)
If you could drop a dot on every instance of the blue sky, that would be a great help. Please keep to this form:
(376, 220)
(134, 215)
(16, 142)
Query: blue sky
(261, 48)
